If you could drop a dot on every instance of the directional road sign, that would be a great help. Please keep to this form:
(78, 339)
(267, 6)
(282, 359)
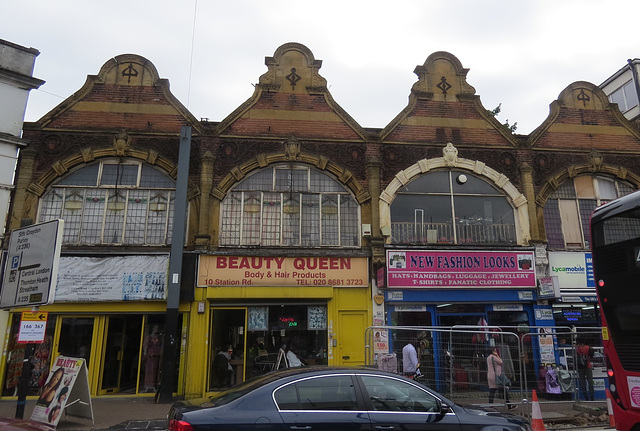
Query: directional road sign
(31, 270)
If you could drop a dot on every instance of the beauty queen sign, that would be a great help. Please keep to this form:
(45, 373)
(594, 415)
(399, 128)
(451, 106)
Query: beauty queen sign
(460, 269)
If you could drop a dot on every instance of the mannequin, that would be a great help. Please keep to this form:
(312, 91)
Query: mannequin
(152, 350)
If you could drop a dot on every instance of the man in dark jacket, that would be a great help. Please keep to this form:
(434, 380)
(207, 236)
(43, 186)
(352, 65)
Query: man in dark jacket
(584, 354)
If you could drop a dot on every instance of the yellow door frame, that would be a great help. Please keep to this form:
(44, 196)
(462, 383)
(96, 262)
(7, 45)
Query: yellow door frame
(105, 339)
(93, 368)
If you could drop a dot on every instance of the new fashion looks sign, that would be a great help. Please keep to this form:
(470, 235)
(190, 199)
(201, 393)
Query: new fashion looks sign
(423, 269)
(282, 271)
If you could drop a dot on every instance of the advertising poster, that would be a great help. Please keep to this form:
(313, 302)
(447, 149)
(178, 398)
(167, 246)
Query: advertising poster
(574, 270)
(58, 389)
(547, 351)
(381, 341)
(633, 383)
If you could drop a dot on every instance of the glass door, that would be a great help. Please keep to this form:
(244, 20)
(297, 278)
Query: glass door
(75, 337)
(112, 356)
(227, 343)
(120, 354)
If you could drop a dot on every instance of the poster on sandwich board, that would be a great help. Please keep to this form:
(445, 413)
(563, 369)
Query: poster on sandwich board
(66, 390)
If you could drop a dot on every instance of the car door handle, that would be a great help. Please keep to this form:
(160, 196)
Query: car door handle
(307, 427)
(384, 427)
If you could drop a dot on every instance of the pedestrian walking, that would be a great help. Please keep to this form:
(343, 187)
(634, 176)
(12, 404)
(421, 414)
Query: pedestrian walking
(584, 354)
(496, 378)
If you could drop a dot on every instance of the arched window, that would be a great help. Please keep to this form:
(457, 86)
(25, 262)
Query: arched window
(290, 206)
(568, 209)
(451, 207)
(112, 202)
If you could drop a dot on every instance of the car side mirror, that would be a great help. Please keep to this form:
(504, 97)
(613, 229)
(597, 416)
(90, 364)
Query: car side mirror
(443, 409)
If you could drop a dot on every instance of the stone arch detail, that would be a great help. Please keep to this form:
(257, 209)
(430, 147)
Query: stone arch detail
(517, 199)
(343, 176)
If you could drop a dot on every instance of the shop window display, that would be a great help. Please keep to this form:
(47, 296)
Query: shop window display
(40, 361)
(152, 350)
(277, 336)
(295, 334)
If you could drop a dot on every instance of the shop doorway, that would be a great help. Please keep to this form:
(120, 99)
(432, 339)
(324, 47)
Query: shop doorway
(121, 354)
(462, 357)
(227, 347)
(75, 337)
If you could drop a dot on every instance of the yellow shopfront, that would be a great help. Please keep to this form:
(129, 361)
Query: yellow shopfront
(121, 344)
(257, 314)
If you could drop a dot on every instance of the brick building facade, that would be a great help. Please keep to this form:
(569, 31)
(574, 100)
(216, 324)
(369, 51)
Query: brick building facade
(304, 227)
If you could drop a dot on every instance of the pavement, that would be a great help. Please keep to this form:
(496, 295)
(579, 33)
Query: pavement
(109, 413)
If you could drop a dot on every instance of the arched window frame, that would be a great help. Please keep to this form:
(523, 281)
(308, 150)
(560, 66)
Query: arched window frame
(443, 214)
(502, 182)
(290, 205)
(114, 201)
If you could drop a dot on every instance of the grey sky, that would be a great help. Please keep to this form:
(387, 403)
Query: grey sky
(520, 53)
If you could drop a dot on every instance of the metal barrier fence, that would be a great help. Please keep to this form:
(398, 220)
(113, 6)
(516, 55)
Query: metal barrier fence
(453, 361)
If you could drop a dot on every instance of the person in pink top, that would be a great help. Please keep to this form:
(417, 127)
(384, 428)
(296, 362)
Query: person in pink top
(494, 368)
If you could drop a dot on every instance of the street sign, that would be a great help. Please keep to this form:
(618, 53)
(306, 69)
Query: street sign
(33, 326)
(31, 270)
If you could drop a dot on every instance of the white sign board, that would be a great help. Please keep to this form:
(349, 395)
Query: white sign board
(113, 278)
(32, 265)
(33, 326)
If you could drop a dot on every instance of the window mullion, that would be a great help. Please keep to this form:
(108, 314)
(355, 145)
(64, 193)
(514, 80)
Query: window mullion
(299, 220)
(281, 239)
(146, 216)
(166, 219)
(321, 218)
(453, 209)
(261, 221)
(104, 215)
(81, 218)
(339, 235)
(241, 239)
(124, 217)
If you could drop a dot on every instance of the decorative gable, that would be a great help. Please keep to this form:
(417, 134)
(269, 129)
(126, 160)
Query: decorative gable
(582, 117)
(126, 94)
(291, 98)
(443, 107)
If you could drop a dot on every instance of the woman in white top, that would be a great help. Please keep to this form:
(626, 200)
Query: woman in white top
(292, 359)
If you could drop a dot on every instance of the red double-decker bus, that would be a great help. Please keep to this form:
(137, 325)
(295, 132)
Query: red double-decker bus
(615, 243)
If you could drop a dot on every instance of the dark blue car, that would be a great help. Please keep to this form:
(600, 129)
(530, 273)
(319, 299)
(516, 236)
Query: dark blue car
(330, 399)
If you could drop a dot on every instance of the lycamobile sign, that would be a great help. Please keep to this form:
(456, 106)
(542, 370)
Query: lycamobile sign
(574, 270)
(578, 269)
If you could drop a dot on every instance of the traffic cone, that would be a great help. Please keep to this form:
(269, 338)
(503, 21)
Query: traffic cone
(612, 420)
(536, 415)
